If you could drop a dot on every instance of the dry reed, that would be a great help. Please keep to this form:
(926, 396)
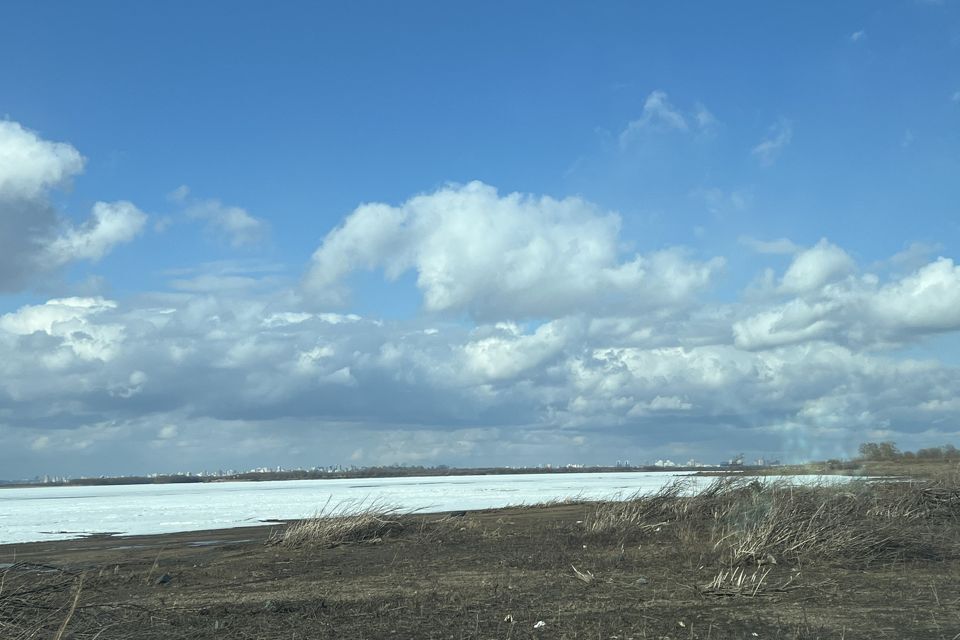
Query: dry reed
(342, 523)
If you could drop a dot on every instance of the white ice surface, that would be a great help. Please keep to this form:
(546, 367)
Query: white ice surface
(58, 513)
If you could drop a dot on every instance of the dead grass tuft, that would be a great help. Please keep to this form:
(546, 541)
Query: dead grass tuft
(342, 523)
(638, 513)
(736, 581)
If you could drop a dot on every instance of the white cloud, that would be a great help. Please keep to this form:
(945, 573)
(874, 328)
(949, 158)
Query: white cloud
(251, 375)
(168, 432)
(926, 300)
(508, 353)
(769, 149)
(503, 257)
(239, 227)
(35, 240)
(659, 404)
(72, 321)
(110, 224)
(858, 311)
(286, 318)
(857, 36)
(621, 353)
(813, 268)
(659, 115)
(47, 316)
(794, 322)
(130, 387)
(30, 165)
(955, 97)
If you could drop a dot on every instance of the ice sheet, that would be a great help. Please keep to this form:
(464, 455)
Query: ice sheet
(57, 513)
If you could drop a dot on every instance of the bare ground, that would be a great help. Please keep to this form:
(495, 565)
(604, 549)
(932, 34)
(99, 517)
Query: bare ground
(496, 574)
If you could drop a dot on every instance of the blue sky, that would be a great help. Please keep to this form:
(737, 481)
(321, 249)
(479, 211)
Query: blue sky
(731, 194)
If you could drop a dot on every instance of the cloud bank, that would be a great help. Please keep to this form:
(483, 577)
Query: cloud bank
(542, 336)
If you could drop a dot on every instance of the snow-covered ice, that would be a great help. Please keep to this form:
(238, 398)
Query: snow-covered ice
(57, 513)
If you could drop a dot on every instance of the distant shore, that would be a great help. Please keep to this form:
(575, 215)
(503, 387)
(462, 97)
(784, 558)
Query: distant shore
(830, 467)
(369, 472)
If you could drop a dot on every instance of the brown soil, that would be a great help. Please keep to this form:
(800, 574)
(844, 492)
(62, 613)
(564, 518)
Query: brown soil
(489, 574)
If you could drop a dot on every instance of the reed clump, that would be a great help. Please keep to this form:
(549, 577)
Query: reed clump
(342, 523)
(744, 521)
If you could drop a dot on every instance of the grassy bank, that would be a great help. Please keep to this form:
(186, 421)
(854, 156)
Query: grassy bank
(743, 559)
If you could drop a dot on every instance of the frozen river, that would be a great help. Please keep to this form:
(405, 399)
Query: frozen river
(56, 513)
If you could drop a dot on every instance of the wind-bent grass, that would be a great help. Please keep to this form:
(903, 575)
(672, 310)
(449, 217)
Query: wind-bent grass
(638, 512)
(342, 523)
(745, 521)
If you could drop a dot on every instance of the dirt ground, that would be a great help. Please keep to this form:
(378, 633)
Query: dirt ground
(532, 572)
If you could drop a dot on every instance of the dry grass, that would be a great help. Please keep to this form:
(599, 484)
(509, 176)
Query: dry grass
(735, 581)
(585, 577)
(744, 521)
(31, 598)
(638, 513)
(342, 523)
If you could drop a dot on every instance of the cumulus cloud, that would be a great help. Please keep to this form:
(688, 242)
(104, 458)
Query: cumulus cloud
(30, 165)
(814, 267)
(791, 323)
(503, 257)
(110, 224)
(72, 322)
(927, 300)
(572, 352)
(862, 312)
(194, 371)
(858, 35)
(508, 352)
(770, 148)
(35, 239)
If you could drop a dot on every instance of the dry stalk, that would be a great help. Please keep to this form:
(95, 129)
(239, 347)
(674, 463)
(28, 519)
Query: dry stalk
(584, 576)
(736, 582)
(73, 607)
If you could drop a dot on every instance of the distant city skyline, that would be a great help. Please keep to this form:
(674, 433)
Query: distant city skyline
(239, 235)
